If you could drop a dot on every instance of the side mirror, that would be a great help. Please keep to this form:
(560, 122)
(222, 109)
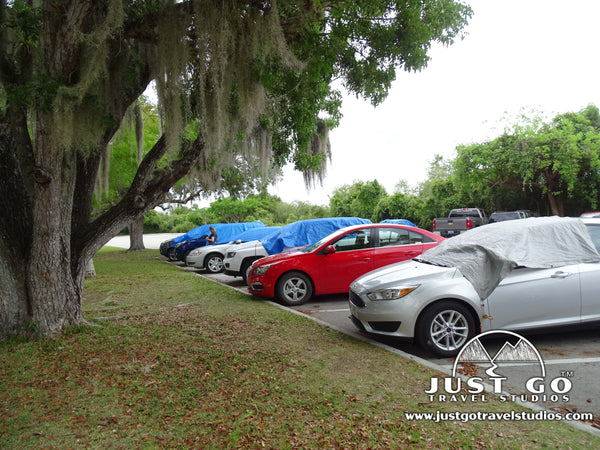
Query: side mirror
(329, 249)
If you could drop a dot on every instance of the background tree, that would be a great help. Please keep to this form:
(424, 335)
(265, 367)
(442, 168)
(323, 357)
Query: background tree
(357, 200)
(139, 130)
(233, 77)
(555, 164)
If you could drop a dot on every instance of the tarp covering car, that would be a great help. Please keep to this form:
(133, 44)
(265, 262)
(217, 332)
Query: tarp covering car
(255, 234)
(399, 221)
(305, 232)
(485, 255)
(225, 231)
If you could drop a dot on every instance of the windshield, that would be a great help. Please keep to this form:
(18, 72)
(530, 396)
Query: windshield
(316, 245)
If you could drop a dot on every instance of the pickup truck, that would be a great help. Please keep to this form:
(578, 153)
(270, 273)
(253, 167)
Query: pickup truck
(458, 221)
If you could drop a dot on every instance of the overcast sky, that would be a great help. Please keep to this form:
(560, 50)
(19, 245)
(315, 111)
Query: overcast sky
(532, 54)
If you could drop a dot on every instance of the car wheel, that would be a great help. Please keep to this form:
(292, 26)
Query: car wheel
(294, 288)
(214, 263)
(172, 254)
(445, 328)
(245, 269)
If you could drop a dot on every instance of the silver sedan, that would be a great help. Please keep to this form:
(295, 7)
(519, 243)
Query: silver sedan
(531, 275)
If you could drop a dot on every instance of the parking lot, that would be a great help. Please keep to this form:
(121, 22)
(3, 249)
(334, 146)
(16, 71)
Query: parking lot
(574, 355)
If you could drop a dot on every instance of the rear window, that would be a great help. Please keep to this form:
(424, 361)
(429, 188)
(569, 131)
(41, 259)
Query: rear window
(464, 213)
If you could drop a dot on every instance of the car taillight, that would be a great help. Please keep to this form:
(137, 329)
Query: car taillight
(434, 224)
(469, 223)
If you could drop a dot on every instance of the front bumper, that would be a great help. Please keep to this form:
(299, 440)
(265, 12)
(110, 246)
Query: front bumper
(386, 317)
(258, 285)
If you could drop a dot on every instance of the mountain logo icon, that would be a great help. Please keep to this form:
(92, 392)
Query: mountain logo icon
(515, 350)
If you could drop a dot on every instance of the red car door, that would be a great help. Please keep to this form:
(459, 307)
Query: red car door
(398, 244)
(343, 260)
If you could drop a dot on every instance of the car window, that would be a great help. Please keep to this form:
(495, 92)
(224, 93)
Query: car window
(394, 236)
(353, 241)
(594, 231)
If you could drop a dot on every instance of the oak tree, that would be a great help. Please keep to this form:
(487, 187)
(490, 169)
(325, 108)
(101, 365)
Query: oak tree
(233, 77)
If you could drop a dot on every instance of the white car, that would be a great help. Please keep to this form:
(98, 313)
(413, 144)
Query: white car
(239, 258)
(527, 274)
(209, 257)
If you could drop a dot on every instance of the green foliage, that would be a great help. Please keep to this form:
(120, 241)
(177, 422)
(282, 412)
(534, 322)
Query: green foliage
(357, 200)
(556, 164)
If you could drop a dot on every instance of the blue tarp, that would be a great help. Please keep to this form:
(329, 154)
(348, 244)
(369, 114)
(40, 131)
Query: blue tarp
(399, 221)
(306, 232)
(225, 231)
(255, 234)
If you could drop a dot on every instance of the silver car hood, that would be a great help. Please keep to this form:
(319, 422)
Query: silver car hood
(407, 272)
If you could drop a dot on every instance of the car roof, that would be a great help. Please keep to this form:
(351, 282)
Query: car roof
(591, 220)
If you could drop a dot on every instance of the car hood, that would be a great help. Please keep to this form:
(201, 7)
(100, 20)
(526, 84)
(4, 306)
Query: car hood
(212, 248)
(243, 246)
(409, 272)
(272, 259)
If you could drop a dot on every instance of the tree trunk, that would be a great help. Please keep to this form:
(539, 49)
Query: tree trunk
(557, 206)
(136, 235)
(90, 271)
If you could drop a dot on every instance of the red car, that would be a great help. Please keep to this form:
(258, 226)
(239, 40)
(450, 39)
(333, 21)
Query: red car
(330, 265)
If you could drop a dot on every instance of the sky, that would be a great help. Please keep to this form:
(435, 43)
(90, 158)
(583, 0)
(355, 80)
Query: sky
(518, 55)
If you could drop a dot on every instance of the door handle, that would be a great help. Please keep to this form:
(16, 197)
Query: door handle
(560, 274)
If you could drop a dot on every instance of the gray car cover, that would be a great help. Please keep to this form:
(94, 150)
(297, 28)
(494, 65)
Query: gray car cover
(485, 255)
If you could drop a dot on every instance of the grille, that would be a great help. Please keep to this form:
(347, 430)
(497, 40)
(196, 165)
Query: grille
(356, 300)
(388, 327)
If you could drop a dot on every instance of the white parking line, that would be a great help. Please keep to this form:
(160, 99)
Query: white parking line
(324, 310)
(546, 362)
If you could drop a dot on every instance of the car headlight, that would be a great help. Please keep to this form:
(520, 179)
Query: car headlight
(261, 270)
(391, 293)
(231, 254)
(195, 252)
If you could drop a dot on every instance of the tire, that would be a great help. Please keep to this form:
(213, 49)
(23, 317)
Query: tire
(245, 269)
(294, 288)
(172, 254)
(214, 263)
(445, 327)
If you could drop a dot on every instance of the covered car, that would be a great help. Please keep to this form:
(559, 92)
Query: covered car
(533, 273)
(331, 264)
(399, 221)
(210, 257)
(226, 232)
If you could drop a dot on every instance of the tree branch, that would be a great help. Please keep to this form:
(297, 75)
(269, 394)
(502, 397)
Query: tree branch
(149, 187)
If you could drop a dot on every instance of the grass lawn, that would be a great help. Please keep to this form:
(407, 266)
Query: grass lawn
(177, 361)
